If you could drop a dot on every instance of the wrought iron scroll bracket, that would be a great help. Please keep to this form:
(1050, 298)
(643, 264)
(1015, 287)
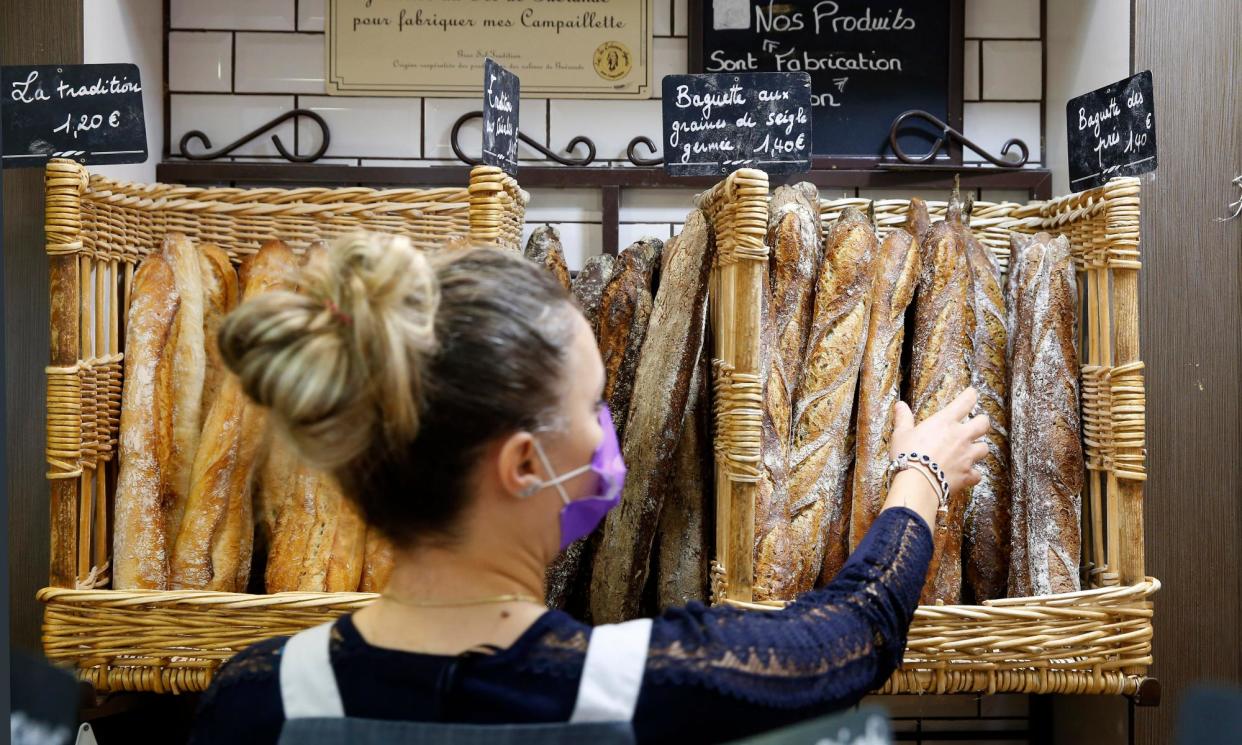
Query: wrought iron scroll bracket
(205, 141)
(455, 141)
(631, 152)
(950, 134)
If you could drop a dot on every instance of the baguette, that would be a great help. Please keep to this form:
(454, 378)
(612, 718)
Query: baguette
(879, 384)
(377, 562)
(797, 250)
(187, 375)
(588, 286)
(1044, 423)
(661, 388)
(987, 532)
(939, 371)
(216, 541)
(220, 293)
(140, 551)
(544, 248)
(824, 402)
(625, 310)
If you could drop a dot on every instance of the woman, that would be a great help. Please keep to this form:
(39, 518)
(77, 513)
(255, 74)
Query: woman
(457, 398)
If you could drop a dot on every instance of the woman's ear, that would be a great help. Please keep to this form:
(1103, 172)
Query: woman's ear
(517, 467)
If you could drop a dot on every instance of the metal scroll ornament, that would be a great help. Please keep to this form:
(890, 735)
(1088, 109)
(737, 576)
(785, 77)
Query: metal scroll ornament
(572, 146)
(951, 134)
(205, 141)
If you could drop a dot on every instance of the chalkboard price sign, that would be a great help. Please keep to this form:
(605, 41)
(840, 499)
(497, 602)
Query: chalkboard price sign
(501, 94)
(90, 113)
(1112, 132)
(869, 61)
(714, 124)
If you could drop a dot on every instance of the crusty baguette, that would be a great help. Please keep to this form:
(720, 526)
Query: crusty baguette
(987, 532)
(661, 389)
(879, 383)
(625, 310)
(377, 562)
(823, 446)
(187, 375)
(544, 248)
(216, 540)
(686, 534)
(918, 222)
(588, 286)
(939, 371)
(797, 250)
(140, 549)
(220, 292)
(1044, 423)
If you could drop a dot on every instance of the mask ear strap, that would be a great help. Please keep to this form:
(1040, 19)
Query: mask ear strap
(556, 480)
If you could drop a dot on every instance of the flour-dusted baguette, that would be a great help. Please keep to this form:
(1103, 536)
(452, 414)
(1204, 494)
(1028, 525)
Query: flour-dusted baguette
(986, 537)
(544, 248)
(823, 444)
(918, 222)
(377, 562)
(140, 549)
(661, 389)
(797, 250)
(624, 313)
(879, 382)
(216, 540)
(220, 294)
(939, 371)
(588, 286)
(1044, 423)
(188, 347)
(319, 541)
(686, 536)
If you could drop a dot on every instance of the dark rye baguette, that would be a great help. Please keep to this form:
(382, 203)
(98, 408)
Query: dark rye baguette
(588, 286)
(544, 248)
(653, 431)
(823, 443)
(140, 550)
(216, 540)
(987, 538)
(879, 382)
(624, 312)
(1044, 422)
(939, 371)
(794, 233)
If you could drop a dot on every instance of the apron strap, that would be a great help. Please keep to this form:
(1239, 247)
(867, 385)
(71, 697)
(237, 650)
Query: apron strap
(307, 683)
(613, 672)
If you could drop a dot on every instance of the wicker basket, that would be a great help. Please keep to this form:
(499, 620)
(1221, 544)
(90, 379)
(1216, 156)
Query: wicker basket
(1095, 641)
(97, 232)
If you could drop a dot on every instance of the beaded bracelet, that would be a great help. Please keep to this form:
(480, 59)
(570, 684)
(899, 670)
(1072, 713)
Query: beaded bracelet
(913, 460)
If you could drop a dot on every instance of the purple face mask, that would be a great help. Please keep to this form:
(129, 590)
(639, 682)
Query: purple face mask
(580, 516)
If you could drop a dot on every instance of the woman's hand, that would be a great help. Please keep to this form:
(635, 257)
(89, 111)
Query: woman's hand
(950, 437)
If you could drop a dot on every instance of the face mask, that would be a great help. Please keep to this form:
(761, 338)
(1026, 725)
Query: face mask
(580, 516)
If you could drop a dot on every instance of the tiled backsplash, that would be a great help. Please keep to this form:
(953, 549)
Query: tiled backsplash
(234, 64)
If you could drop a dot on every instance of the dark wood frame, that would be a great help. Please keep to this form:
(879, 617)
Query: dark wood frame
(957, 39)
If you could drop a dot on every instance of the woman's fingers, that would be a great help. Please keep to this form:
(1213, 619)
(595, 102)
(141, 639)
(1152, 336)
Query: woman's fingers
(960, 407)
(903, 419)
(977, 426)
(977, 452)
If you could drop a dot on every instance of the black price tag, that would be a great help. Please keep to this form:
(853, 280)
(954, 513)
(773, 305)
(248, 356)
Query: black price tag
(1112, 132)
(501, 95)
(715, 124)
(90, 113)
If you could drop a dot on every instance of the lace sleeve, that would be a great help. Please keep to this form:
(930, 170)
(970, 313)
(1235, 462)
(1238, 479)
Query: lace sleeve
(823, 651)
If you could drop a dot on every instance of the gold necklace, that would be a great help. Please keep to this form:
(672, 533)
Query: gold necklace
(511, 598)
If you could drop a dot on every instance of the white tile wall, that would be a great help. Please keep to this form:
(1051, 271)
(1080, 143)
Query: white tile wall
(656, 205)
(970, 72)
(225, 118)
(563, 205)
(237, 15)
(611, 124)
(280, 63)
(681, 17)
(662, 21)
(439, 115)
(1002, 19)
(991, 124)
(668, 58)
(310, 15)
(200, 61)
(1005, 195)
(628, 233)
(366, 127)
(1013, 70)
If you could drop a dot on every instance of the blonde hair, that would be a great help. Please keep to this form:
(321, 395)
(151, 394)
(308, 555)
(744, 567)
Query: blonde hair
(382, 343)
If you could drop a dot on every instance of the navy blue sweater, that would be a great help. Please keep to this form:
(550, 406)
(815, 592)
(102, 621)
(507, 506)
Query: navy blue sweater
(712, 674)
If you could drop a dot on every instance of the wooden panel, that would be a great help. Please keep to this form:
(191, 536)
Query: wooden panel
(30, 33)
(1191, 316)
